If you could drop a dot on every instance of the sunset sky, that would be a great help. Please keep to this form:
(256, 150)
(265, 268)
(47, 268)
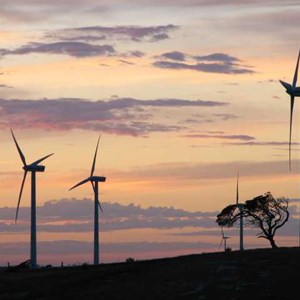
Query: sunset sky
(185, 94)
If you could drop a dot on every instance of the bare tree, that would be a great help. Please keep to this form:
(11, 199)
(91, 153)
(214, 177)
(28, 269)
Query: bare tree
(264, 211)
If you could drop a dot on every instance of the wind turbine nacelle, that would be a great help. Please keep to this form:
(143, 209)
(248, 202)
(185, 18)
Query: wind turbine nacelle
(297, 92)
(98, 178)
(31, 168)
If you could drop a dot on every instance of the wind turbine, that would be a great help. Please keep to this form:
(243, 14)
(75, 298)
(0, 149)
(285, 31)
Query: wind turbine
(240, 207)
(293, 91)
(94, 181)
(224, 238)
(33, 168)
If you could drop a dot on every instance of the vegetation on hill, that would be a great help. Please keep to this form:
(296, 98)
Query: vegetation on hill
(263, 212)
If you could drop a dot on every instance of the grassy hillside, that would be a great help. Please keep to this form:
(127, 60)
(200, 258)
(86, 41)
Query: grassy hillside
(251, 274)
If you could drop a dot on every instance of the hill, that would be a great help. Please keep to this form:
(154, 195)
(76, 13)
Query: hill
(251, 274)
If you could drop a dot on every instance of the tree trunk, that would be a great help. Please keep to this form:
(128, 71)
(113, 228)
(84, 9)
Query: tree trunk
(272, 242)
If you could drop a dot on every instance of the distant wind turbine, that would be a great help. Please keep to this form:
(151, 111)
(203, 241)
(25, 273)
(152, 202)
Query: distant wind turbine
(293, 91)
(240, 207)
(94, 181)
(33, 168)
(223, 240)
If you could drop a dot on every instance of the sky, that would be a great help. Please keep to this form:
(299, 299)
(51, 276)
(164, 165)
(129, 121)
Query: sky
(185, 94)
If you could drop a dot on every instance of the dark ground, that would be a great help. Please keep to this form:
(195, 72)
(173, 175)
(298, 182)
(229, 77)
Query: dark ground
(251, 274)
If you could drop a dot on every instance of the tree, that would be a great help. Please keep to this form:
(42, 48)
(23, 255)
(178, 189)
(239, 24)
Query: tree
(264, 211)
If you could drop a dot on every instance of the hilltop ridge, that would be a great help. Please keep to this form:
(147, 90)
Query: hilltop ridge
(250, 274)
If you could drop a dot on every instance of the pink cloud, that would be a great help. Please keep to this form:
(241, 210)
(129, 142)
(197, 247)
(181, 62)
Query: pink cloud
(123, 116)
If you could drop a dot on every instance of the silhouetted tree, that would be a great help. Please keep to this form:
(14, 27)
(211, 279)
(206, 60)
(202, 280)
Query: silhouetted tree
(264, 211)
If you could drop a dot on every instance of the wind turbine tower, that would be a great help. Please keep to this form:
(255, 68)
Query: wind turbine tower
(223, 240)
(240, 207)
(33, 168)
(94, 181)
(294, 91)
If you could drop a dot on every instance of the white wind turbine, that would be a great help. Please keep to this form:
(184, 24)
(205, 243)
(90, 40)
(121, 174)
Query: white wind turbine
(33, 168)
(94, 181)
(240, 207)
(293, 91)
(223, 240)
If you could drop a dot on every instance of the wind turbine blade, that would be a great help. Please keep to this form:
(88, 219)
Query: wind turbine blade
(19, 149)
(100, 206)
(287, 86)
(222, 232)
(290, 139)
(80, 183)
(95, 156)
(93, 186)
(98, 201)
(20, 195)
(296, 72)
(40, 160)
(237, 189)
(221, 243)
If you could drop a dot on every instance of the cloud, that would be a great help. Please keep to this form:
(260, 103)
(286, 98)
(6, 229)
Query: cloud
(174, 55)
(125, 62)
(134, 53)
(247, 232)
(122, 116)
(169, 3)
(220, 136)
(212, 63)
(274, 21)
(226, 117)
(5, 86)
(221, 57)
(45, 11)
(76, 215)
(196, 121)
(245, 140)
(132, 33)
(281, 22)
(197, 172)
(212, 3)
(255, 143)
(208, 68)
(75, 49)
(233, 83)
